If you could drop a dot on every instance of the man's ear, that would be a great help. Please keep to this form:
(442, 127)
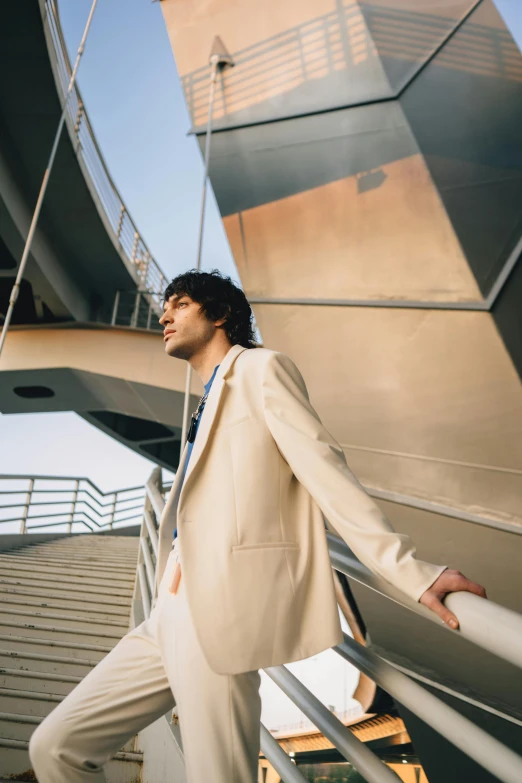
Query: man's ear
(223, 320)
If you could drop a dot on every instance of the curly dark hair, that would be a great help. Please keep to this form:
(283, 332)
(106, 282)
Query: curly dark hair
(219, 297)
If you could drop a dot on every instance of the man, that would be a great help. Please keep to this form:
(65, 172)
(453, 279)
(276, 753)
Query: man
(245, 580)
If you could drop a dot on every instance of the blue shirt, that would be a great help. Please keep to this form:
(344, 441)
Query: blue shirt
(191, 445)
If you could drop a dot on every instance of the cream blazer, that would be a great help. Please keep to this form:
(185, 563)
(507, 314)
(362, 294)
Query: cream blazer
(263, 477)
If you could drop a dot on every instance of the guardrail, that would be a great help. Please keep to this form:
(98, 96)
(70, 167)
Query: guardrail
(477, 618)
(117, 218)
(37, 503)
(137, 309)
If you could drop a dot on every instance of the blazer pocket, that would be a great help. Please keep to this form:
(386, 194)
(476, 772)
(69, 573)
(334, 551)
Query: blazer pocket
(267, 545)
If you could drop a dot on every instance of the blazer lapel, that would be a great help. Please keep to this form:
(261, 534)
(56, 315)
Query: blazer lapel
(210, 410)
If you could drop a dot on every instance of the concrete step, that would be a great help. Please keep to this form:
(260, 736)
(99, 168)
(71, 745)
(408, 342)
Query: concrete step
(65, 608)
(45, 662)
(18, 727)
(108, 549)
(124, 767)
(92, 539)
(76, 620)
(68, 577)
(75, 587)
(113, 551)
(94, 652)
(37, 591)
(94, 564)
(57, 559)
(59, 632)
(61, 555)
(67, 571)
(21, 727)
(16, 700)
(38, 682)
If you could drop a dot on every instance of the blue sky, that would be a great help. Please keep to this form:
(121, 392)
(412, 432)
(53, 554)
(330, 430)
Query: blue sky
(511, 11)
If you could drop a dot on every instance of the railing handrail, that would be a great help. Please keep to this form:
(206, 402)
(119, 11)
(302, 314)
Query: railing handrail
(485, 623)
(475, 742)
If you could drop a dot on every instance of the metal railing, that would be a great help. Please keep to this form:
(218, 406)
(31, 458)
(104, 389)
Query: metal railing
(137, 309)
(117, 219)
(478, 617)
(65, 504)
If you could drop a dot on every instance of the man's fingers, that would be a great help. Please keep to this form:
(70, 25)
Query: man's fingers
(433, 603)
(455, 581)
(448, 617)
(461, 583)
(474, 587)
(450, 581)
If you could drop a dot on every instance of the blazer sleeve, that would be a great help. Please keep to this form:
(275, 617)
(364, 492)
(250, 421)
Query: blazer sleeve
(319, 464)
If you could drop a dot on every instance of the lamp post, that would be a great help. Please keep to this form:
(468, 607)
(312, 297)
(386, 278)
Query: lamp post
(219, 60)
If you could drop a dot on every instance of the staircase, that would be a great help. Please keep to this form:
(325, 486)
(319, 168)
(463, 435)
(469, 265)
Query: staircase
(64, 604)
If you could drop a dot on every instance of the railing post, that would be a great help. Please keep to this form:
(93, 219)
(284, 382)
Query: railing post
(79, 116)
(120, 221)
(73, 509)
(113, 510)
(135, 246)
(115, 308)
(146, 268)
(23, 526)
(134, 321)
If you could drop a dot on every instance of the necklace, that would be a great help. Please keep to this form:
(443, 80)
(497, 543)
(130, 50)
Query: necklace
(194, 419)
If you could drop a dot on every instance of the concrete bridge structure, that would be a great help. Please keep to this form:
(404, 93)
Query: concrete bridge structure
(84, 335)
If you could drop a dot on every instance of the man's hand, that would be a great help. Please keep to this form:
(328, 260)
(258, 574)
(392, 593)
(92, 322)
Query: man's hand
(450, 581)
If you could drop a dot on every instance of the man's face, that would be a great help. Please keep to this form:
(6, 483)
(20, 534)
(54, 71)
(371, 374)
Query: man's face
(186, 330)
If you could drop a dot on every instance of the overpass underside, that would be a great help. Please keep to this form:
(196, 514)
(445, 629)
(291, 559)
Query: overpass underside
(119, 380)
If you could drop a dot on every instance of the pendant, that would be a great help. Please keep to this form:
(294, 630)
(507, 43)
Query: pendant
(192, 429)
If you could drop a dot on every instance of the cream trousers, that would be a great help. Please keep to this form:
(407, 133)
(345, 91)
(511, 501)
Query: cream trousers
(155, 667)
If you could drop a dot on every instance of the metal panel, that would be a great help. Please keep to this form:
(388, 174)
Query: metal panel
(465, 111)
(337, 205)
(424, 403)
(406, 33)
